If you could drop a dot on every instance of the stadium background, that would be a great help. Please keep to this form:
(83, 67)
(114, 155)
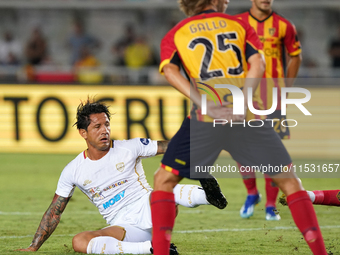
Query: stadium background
(37, 115)
(317, 21)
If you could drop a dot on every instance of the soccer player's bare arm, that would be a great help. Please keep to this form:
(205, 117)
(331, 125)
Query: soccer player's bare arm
(255, 73)
(293, 47)
(161, 147)
(176, 79)
(293, 69)
(49, 222)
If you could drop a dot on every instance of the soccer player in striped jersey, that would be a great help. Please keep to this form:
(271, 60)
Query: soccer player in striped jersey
(215, 48)
(279, 37)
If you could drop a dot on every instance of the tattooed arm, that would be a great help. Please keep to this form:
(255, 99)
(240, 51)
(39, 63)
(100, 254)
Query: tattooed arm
(49, 222)
(161, 147)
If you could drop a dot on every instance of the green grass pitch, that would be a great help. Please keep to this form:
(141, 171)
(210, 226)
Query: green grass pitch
(28, 183)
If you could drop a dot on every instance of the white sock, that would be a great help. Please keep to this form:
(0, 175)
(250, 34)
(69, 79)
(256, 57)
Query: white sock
(189, 195)
(311, 195)
(110, 245)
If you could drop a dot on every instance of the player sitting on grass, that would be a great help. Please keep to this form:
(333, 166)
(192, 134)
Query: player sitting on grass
(111, 175)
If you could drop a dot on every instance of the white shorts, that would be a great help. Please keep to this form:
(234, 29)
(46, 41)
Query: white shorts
(135, 218)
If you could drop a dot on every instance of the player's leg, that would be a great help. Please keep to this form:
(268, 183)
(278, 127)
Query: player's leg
(302, 210)
(187, 148)
(110, 241)
(271, 192)
(163, 209)
(264, 148)
(249, 180)
(325, 197)
(205, 144)
(81, 240)
(189, 195)
(213, 192)
(253, 195)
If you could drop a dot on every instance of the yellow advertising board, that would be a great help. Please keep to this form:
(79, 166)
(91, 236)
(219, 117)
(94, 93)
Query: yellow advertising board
(316, 136)
(39, 118)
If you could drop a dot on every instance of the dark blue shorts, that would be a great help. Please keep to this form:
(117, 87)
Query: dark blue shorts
(199, 144)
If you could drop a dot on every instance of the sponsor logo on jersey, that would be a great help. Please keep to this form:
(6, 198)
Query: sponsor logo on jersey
(114, 200)
(338, 196)
(120, 166)
(272, 40)
(86, 182)
(271, 52)
(144, 141)
(115, 185)
(96, 193)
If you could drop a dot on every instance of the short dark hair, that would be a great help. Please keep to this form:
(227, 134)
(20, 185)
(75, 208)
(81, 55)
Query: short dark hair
(85, 109)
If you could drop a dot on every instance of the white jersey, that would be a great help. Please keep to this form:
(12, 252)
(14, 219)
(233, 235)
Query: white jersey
(112, 182)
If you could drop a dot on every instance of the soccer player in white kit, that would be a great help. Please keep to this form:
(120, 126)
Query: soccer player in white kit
(111, 175)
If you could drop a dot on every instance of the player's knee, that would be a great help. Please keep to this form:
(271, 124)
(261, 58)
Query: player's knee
(79, 243)
(160, 180)
(289, 186)
(159, 176)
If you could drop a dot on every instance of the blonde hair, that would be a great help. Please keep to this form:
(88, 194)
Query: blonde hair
(192, 7)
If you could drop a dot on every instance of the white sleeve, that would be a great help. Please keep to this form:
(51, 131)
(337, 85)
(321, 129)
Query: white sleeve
(66, 186)
(144, 147)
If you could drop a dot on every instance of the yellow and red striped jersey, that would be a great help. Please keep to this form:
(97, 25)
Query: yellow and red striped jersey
(213, 48)
(277, 35)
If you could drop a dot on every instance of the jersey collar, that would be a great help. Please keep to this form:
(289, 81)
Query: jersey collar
(112, 145)
(206, 12)
(263, 19)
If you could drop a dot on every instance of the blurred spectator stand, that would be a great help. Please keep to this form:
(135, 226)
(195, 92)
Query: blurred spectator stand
(334, 50)
(10, 50)
(80, 39)
(36, 49)
(86, 68)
